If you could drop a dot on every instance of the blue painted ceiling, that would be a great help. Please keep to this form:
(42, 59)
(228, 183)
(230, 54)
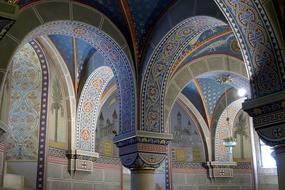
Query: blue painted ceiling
(137, 18)
(145, 13)
(192, 93)
(87, 58)
(205, 92)
(212, 91)
(142, 13)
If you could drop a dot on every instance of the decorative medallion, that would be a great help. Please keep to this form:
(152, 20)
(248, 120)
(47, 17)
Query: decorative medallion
(88, 107)
(85, 134)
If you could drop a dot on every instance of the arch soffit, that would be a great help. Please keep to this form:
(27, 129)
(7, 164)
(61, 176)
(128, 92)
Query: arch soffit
(258, 42)
(223, 132)
(88, 107)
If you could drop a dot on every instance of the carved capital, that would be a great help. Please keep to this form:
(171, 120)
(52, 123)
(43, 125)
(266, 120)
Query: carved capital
(143, 150)
(268, 117)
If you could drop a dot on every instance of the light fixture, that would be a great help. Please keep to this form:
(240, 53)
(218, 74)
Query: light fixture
(230, 141)
(241, 92)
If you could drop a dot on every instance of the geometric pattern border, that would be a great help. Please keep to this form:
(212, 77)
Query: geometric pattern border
(258, 45)
(43, 116)
(88, 107)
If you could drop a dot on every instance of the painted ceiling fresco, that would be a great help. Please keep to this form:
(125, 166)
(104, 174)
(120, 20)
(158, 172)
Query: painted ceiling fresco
(74, 51)
(217, 40)
(144, 14)
(212, 91)
(80, 57)
(192, 93)
(205, 92)
(137, 18)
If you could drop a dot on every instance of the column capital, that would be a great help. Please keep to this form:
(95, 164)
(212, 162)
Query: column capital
(143, 150)
(268, 117)
(279, 149)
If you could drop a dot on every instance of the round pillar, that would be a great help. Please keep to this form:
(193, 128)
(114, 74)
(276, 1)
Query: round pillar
(279, 155)
(142, 179)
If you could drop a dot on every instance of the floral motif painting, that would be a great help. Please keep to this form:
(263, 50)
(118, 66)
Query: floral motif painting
(25, 100)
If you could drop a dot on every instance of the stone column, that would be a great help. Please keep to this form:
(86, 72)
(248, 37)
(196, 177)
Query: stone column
(142, 153)
(269, 122)
(279, 155)
(142, 179)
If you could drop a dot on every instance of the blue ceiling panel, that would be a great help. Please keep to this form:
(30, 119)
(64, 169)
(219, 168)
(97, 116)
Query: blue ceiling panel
(191, 92)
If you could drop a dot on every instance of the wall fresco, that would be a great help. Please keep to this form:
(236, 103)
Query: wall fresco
(57, 114)
(107, 122)
(187, 145)
(242, 151)
(25, 102)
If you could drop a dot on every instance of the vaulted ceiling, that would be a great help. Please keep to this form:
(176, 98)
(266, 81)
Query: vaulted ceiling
(136, 19)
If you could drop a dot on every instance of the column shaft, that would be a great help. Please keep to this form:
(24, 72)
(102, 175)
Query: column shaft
(142, 179)
(279, 155)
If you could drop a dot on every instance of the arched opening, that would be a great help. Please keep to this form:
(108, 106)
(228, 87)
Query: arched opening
(180, 48)
(70, 83)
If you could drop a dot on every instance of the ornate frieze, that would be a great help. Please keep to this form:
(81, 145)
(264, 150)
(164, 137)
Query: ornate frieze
(268, 117)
